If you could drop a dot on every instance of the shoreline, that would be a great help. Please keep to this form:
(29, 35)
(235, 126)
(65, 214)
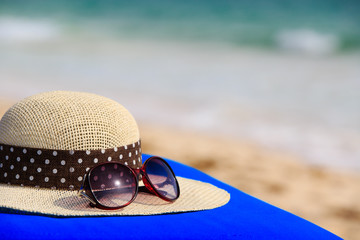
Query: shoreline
(324, 196)
(315, 117)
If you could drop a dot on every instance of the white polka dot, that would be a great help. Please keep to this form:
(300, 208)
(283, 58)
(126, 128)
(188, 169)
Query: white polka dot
(1, 148)
(80, 160)
(53, 187)
(18, 159)
(6, 157)
(139, 149)
(71, 169)
(39, 152)
(31, 178)
(71, 187)
(96, 160)
(24, 168)
(129, 154)
(54, 171)
(63, 162)
(71, 152)
(62, 180)
(1, 165)
(139, 159)
(11, 149)
(133, 145)
(80, 178)
(125, 147)
(115, 149)
(24, 151)
(121, 156)
(102, 151)
(39, 169)
(47, 161)
(126, 163)
(17, 176)
(54, 153)
(5, 174)
(87, 169)
(88, 152)
(46, 179)
(136, 152)
(134, 162)
(12, 167)
(109, 159)
(32, 160)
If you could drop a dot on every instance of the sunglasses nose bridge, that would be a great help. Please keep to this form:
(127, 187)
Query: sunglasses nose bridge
(138, 172)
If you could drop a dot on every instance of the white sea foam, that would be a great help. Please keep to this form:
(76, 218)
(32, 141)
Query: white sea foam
(307, 41)
(298, 103)
(18, 30)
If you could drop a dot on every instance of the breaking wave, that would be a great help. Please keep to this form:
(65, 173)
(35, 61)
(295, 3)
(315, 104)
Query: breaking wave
(17, 30)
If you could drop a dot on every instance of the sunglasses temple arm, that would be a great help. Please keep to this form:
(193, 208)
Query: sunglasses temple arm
(83, 194)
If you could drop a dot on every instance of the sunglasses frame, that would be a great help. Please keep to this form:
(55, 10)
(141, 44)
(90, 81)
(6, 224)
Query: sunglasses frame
(86, 191)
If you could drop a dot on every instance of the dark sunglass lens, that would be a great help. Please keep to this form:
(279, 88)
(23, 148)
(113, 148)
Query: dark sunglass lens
(162, 178)
(114, 185)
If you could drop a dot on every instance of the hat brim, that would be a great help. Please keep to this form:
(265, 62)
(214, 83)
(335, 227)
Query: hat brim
(195, 196)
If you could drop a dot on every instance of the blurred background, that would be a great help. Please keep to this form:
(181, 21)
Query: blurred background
(259, 78)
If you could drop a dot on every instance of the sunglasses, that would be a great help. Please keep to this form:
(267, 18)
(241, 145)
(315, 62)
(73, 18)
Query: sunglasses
(113, 185)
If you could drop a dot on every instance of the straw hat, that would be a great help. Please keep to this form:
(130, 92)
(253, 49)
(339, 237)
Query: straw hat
(48, 142)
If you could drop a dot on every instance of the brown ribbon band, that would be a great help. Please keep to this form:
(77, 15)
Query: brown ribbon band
(59, 169)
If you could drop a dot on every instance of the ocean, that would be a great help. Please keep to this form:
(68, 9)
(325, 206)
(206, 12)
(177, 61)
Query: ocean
(284, 74)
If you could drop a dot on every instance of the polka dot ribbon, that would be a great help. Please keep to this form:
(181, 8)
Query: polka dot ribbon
(59, 169)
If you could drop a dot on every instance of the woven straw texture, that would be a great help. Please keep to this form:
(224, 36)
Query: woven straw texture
(194, 196)
(82, 121)
(68, 121)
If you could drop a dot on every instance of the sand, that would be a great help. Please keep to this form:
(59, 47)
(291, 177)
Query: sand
(327, 197)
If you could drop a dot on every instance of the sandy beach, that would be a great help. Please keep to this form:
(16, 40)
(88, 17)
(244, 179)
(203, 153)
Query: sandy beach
(325, 197)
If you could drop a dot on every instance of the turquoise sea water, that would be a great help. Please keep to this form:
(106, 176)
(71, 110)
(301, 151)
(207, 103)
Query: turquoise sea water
(304, 25)
(285, 74)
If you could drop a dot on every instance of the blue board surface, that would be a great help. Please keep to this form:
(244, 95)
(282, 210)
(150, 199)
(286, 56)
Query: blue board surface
(244, 217)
